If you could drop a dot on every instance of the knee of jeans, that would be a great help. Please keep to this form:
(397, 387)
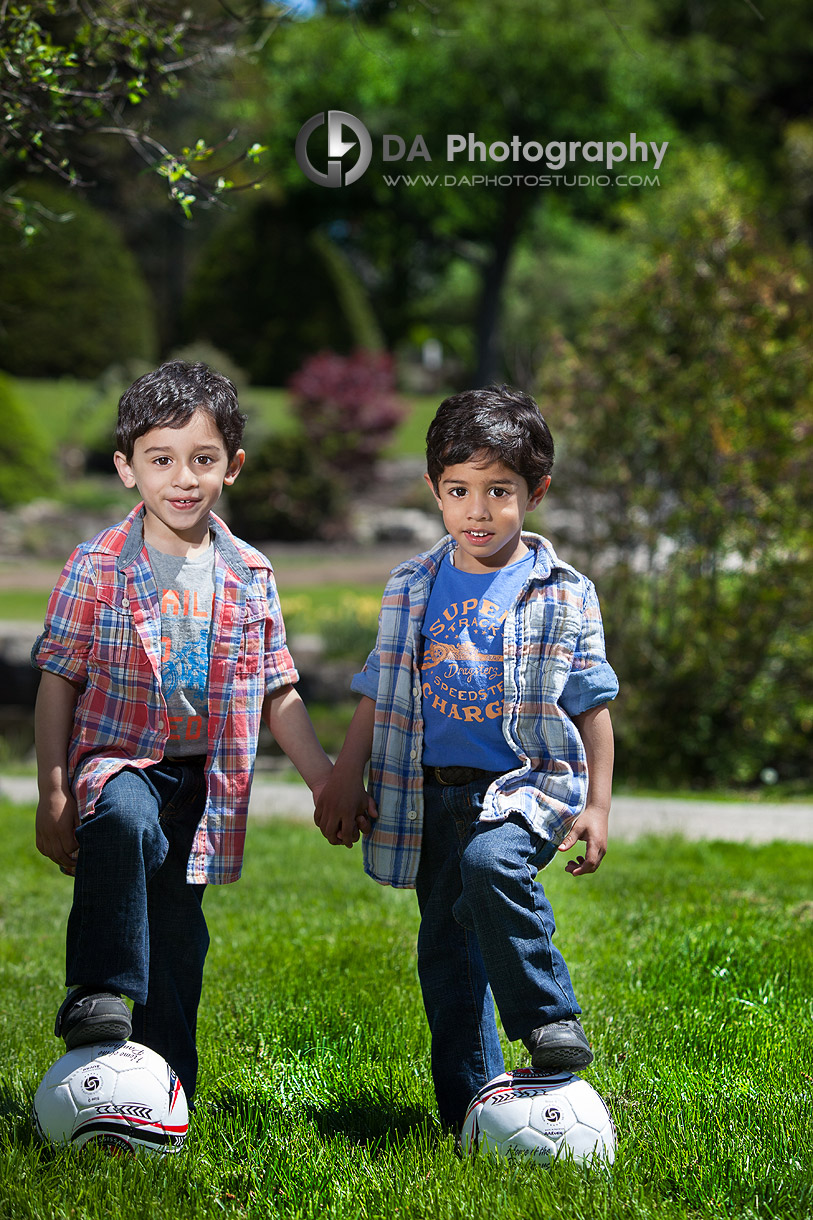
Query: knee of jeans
(462, 913)
(127, 812)
(494, 856)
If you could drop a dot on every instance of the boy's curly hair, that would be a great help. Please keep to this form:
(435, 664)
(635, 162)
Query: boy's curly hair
(169, 396)
(497, 423)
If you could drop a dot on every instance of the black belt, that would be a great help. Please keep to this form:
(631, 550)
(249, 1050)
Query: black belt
(453, 777)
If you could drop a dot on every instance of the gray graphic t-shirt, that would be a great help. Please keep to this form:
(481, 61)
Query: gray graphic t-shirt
(186, 592)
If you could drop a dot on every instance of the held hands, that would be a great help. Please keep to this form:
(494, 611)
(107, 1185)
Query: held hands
(343, 810)
(57, 819)
(591, 828)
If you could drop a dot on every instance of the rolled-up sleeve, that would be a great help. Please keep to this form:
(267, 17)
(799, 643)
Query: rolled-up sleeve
(366, 682)
(592, 680)
(64, 646)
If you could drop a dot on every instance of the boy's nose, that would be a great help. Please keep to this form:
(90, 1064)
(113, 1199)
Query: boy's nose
(185, 476)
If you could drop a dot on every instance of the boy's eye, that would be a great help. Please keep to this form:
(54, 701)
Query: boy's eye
(457, 492)
(204, 459)
(162, 461)
(499, 491)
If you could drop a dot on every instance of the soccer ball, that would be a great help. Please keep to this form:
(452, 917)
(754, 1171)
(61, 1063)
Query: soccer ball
(543, 1117)
(117, 1095)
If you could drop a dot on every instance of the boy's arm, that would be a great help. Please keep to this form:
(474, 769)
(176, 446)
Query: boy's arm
(57, 814)
(596, 731)
(291, 727)
(343, 807)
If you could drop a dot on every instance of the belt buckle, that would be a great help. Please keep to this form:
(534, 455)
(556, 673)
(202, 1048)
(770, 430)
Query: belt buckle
(464, 775)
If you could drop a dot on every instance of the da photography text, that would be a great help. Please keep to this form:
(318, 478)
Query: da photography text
(345, 153)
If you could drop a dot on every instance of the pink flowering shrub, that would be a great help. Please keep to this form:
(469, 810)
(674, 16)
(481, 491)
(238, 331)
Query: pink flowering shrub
(347, 407)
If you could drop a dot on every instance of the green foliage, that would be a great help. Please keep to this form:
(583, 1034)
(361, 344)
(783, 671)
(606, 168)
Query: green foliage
(345, 618)
(692, 962)
(688, 434)
(538, 71)
(285, 492)
(270, 293)
(75, 304)
(300, 486)
(26, 467)
(73, 70)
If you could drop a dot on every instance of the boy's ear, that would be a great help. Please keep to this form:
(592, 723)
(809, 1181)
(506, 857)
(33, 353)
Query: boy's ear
(124, 468)
(235, 466)
(538, 495)
(431, 487)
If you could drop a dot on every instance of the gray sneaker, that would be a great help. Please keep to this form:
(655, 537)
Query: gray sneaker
(89, 1015)
(560, 1046)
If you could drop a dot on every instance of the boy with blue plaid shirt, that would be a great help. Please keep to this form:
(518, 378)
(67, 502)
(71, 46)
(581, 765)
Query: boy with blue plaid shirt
(163, 648)
(484, 718)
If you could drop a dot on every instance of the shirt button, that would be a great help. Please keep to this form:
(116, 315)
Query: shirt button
(413, 815)
(125, 602)
(413, 753)
(416, 690)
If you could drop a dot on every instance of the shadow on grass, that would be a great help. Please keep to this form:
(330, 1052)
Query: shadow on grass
(16, 1114)
(374, 1121)
(369, 1119)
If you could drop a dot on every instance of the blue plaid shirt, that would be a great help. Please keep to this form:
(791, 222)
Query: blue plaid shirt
(554, 668)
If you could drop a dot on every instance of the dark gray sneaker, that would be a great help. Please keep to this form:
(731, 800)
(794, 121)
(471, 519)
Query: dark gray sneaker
(90, 1015)
(560, 1046)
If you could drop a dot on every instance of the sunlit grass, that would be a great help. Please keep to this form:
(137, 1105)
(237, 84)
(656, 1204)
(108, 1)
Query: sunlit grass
(693, 963)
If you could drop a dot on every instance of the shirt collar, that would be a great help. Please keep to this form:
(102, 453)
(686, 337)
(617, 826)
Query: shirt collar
(224, 544)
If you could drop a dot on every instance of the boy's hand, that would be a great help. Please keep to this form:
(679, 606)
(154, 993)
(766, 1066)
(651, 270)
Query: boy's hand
(57, 819)
(591, 828)
(343, 810)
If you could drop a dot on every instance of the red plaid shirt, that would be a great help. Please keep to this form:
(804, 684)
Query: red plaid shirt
(103, 631)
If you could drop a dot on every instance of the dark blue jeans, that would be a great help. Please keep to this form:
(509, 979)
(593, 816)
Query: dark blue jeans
(136, 926)
(486, 935)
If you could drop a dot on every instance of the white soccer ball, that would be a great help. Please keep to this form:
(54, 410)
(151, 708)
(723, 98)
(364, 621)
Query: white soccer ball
(117, 1095)
(522, 1113)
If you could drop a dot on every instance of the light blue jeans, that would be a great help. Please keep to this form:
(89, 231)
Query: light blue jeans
(135, 926)
(485, 935)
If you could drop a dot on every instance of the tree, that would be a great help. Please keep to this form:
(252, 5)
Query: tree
(76, 303)
(81, 69)
(523, 69)
(687, 419)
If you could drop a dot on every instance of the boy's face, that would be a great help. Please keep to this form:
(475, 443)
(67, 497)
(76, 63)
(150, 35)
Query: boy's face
(484, 506)
(179, 473)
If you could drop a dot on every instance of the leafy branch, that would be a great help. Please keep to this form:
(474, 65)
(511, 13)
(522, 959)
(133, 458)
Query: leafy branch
(82, 69)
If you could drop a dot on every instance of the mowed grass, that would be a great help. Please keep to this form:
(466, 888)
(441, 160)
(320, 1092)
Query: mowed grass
(693, 962)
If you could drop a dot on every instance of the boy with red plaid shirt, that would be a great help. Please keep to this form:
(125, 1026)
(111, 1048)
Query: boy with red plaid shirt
(163, 648)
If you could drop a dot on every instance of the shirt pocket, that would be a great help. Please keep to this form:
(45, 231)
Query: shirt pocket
(115, 639)
(552, 627)
(252, 641)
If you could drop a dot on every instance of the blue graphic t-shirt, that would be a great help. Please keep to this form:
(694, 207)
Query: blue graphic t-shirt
(462, 666)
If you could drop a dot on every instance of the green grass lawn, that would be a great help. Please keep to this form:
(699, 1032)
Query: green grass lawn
(693, 963)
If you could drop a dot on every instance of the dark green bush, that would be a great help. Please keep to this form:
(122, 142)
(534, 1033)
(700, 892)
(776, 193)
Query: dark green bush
(26, 470)
(686, 417)
(73, 300)
(270, 293)
(285, 493)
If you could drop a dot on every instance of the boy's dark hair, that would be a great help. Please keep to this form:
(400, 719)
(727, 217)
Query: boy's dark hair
(169, 396)
(499, 422)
